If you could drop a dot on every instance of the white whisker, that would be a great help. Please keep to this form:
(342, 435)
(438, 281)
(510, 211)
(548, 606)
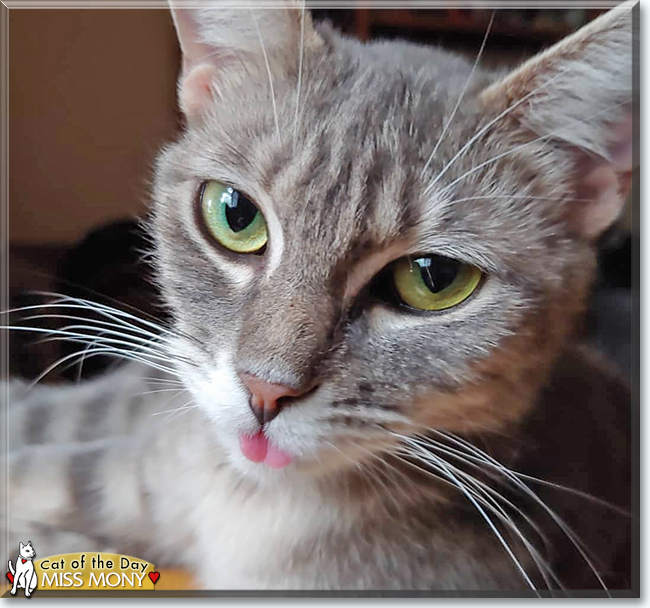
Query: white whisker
(268, 71)
(445, 470)
(571, 535)
(60, 334)
(130, 339)
(514, 197)
(487, 127)
(300, 59)
(104, 349)
(494, 498)
(117, 315)
(122, 327)
(83, 358)
(460, 97)
(181, 409)
(96, 351)
(377, 460)
(160, 390)
(163, 381)
(518, 148)
(500, 468)
(427, 442)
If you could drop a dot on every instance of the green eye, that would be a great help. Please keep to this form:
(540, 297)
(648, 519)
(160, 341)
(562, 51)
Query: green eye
(434, 282)
(232, 218)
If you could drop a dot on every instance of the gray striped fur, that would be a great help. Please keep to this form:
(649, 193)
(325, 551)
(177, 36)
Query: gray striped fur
(358, 187)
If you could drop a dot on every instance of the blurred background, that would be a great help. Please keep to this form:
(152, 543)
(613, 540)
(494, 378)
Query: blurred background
(92, 97)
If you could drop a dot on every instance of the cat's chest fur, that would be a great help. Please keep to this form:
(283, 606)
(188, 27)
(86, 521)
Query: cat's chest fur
(298, 535)
(257, 540)
(301, 541)
(238, 535)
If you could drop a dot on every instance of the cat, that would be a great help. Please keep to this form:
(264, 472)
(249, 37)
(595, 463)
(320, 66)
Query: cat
(374, 256)
(24, 576)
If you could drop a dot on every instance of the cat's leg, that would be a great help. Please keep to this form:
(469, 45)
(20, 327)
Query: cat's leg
(57, 496)
(15, 584)
(32, 583)
(124, 494)
(126, 491)
(27, 580)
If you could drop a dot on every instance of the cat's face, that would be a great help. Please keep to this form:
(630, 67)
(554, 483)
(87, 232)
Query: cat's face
(27, 551)
(362, 161)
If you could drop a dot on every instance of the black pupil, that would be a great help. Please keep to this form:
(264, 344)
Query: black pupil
(240, 211)
(438, 272)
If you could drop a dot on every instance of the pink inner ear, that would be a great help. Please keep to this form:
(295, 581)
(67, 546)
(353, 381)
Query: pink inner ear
(197, 90)
(601, 196)
(621, 147)
(603, 185)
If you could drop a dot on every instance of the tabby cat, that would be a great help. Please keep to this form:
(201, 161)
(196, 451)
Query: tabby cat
(375, 257)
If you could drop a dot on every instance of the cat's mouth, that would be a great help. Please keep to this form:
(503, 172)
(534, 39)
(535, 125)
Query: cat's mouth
(258, 449)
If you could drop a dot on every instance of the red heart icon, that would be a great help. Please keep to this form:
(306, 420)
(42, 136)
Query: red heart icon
(154, 576)
(10, 577)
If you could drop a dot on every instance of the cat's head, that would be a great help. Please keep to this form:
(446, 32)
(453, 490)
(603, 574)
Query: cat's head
(26, 551)
(357, 239)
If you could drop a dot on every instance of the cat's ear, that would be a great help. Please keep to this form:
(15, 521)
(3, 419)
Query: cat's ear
(22, 546)
(579, 95)
(214, 39)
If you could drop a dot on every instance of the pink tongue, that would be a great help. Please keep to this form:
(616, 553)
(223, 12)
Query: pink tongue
(254, 447)
(277, 459)
(257, 449)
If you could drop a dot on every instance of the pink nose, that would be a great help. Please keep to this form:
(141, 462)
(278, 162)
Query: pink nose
(266, 398)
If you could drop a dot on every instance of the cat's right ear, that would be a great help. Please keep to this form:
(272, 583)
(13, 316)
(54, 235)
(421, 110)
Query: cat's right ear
(21, 546)
(218, 40)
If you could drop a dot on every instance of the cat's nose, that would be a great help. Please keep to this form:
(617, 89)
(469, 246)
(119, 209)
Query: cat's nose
(267, 399)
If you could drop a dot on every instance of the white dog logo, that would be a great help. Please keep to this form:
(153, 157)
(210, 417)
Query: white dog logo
(24, 576)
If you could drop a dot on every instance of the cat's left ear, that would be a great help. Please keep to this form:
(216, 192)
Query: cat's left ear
(579, 95)
(219, 40)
